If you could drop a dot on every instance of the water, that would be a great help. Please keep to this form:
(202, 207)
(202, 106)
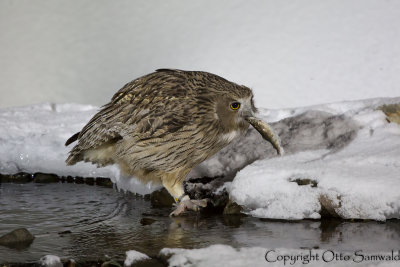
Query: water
(100, 223)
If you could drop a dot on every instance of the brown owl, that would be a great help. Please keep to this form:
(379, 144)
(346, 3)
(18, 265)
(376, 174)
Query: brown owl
(159, 126)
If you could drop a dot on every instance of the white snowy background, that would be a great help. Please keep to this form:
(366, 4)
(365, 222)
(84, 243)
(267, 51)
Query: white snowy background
(292, 53)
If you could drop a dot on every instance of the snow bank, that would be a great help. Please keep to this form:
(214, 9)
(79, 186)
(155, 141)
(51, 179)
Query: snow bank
(133, 256)
(216, 255)
(358, 180)
(33, 137)
(32, 140)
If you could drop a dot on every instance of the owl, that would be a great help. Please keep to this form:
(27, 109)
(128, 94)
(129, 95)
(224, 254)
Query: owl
(159, 126)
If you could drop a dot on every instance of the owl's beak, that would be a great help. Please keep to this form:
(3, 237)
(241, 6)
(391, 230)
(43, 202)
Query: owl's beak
(266, 132)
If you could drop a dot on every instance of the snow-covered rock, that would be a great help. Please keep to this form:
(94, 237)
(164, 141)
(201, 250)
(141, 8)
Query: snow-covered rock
(358, 179)
(50, 261)
(133, 256)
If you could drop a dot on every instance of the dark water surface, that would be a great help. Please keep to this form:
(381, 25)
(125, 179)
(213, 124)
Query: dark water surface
(88, 223)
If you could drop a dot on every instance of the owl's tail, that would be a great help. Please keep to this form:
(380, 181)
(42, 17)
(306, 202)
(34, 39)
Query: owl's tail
(75, 155)
(72, 139)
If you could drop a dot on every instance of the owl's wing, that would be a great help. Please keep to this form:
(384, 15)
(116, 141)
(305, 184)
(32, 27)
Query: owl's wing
(148, 107)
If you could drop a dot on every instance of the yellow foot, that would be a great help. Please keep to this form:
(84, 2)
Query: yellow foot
(188, 204)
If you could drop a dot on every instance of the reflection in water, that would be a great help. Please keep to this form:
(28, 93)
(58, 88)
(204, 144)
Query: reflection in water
(329, 229)
(88, 223)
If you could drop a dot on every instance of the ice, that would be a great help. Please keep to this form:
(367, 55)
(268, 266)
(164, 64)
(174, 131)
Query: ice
(131, 184)
(133, 256)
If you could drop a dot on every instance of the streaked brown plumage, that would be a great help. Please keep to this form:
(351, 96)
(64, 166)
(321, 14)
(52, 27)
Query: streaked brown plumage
(159, 126)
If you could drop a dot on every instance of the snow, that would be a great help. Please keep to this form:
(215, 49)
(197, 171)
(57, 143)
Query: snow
(133, 256)
(361, 180)
(292, 53)
(214, 255)
(51, 261)
(348, 149)
(33, 135)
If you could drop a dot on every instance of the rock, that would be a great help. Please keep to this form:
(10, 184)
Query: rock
(65, 232)
(89, 181)
(111, 264)
(305, 181)
(70, 263)
(329, 206)
(45, 178)
(232, 208)
(332, 132)
(147, 221)
(106, 182)
(147, 263)
(19, 178)
(216, 201)
(161, 198)
(18, 238)
(68, 179)
(392, 112)
(79, 180)
(136, 258)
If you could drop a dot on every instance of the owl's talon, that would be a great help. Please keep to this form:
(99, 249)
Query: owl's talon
(188, 204)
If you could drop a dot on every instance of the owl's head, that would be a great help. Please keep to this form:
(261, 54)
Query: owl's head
(228, 106)
(232, 107)
(235, 111)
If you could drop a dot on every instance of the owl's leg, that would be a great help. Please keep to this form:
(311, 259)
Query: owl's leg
(183, 202)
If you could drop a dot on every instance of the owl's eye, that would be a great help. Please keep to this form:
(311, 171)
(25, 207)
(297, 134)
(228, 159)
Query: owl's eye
(235, 105)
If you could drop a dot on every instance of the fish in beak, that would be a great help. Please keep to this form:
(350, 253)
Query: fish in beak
(266, 132)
